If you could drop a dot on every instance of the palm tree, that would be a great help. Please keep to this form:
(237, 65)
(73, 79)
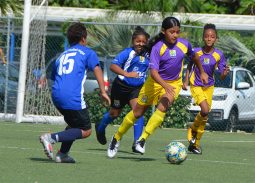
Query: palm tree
(241, 54)
(110, 38)
(247, 7)
(7, 5)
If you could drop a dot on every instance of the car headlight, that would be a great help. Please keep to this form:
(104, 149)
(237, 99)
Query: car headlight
(220, 97)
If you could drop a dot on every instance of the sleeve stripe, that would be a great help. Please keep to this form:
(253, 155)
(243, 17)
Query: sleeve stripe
(182, 47)
(162, 49)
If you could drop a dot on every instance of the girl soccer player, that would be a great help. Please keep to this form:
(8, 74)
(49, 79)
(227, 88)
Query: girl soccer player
(131, 65)
(69, 74)
(162, 86)
(202, 93)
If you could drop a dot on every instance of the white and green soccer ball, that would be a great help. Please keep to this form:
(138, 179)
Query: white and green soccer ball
(176, 152)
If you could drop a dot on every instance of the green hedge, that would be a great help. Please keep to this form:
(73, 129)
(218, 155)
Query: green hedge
(176, 117)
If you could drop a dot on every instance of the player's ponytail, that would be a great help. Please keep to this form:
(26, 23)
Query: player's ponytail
(140, 31)
(167, 23)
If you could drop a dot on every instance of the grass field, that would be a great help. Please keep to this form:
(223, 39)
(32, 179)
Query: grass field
(227, 157)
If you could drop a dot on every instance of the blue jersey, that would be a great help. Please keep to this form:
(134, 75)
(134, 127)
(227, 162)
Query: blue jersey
(129, 61)
(69, 74)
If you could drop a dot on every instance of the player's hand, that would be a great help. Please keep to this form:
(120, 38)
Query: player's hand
(170, 90)
(226, 70)
(185, 85)
(131, 74)
(106, 98)
(204, 77)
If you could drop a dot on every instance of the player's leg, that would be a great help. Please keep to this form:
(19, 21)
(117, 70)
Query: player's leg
(158, 116)
(155, 121)
(79, 127)
(128, 122)
(196, 131)
(138, 126)
(106, 120)
(116, 107)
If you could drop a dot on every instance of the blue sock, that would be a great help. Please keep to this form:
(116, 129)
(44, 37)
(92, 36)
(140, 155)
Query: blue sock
(138, 128)
(104, 122)
(70, 134)
(66, 146)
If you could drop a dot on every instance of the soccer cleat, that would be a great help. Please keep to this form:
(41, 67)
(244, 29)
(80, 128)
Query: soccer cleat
(133, 148)
(100, 135)
(192, 141)
(63, 158)
(47, 142)
(195, 149)
(113, 148)
(140, 146)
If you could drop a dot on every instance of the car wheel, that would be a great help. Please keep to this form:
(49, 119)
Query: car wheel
(232, 121)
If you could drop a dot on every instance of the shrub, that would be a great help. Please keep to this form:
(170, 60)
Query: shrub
(176, 117)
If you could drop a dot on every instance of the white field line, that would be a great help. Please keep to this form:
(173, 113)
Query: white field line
(104, 154)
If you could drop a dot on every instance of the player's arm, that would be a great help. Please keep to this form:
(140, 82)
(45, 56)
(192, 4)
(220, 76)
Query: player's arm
(223, 67)
(118, 70)
(186, 79)
(203, 75)
(2, 56)
(100, 79)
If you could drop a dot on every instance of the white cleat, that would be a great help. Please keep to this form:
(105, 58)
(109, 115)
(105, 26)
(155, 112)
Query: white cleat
(113, 148)
(47, 142)
(140, 146)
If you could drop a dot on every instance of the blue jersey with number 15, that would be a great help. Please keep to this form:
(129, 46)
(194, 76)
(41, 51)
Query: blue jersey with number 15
(69, 74)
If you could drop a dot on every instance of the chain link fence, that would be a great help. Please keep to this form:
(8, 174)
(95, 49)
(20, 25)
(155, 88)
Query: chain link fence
(233, 105)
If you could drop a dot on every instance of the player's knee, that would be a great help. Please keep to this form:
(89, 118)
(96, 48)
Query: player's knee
(86, 133)
(204, 112)
(114, 113)
(138, 114)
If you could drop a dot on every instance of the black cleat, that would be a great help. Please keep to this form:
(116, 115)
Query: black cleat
(100, 135)
(195, 149)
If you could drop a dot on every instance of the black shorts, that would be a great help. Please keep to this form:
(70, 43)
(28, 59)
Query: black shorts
(76, 118)
(121, 93)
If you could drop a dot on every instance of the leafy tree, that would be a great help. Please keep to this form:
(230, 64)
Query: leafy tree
(247, 7)
(240, 54)
(109, 39)
(80, 3)
(14, 5)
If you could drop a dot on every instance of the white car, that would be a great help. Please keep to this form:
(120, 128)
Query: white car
(233, 105)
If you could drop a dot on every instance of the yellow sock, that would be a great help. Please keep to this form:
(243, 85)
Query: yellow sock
(197, 127)
(196, 122)
(155, 121)
(189, 135)
(201, 130)
(128, 121)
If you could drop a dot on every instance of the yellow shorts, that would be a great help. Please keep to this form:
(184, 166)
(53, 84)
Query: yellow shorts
(152, 91)
(202, 93)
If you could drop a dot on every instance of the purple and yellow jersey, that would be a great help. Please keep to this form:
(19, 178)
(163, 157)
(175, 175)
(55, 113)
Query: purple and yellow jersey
(168, 59)
(209, 61)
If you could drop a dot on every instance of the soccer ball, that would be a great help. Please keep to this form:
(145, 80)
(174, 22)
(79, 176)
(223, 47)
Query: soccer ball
(176, 152)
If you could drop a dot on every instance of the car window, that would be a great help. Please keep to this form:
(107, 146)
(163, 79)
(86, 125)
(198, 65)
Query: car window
(226, 83)
(242, 76)
(13, 73)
